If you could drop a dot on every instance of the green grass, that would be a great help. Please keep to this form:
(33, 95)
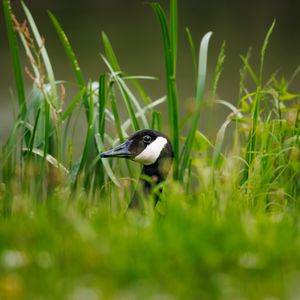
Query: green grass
(227, 226)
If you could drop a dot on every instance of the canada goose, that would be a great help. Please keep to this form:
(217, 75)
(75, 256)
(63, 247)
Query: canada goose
(154, 151)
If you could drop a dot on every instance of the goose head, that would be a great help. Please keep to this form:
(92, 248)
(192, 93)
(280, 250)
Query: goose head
(148, 147)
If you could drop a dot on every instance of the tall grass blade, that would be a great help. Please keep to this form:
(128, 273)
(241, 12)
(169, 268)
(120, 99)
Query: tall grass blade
(119, 129)
(170, 64)
(68, 49)
(68, 112)
(30, 55)
(14, 50)
(131, 112)
(231, 107)
(102, 104)
(105, 162)
(156, 122)
(202, 68)
(40, 42)
(193, 52)
(133, 99)
(145, 109)
(252, 141)
(32, 137)
(47, 129)
(52, 131)
(110, 53)
(102, 94)
(90, 150)
(114, 108)
(263, 51)
(49, 158)
(89, 134)
(134, 79)
(72, 59)
(174, 31)
(8, 163)
(219, 143)
(126, 95)
(219, 69)
(243, 73)
(11, 144)
(251, 72)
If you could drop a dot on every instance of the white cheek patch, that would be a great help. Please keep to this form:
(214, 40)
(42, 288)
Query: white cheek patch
(151, 153)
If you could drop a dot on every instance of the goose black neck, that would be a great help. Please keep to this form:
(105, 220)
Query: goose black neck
(151, 176)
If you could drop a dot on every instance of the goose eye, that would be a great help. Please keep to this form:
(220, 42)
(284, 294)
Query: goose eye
(147, 139)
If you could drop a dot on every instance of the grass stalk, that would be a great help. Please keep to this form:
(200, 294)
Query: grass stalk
(14, 50)
(252, 140)
(219, 68)
(201, 78)
(72, 59)
(169, 37)
(41, 45)
(128, 97)
(193, 53)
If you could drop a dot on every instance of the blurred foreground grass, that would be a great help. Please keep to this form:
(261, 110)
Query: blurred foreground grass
(77, 251)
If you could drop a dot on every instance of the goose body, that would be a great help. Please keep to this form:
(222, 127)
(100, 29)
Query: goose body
(153, 150)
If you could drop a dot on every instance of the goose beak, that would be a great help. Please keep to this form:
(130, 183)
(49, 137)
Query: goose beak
(119, 151)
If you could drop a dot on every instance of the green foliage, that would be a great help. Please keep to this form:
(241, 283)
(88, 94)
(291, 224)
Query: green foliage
(225, 228)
